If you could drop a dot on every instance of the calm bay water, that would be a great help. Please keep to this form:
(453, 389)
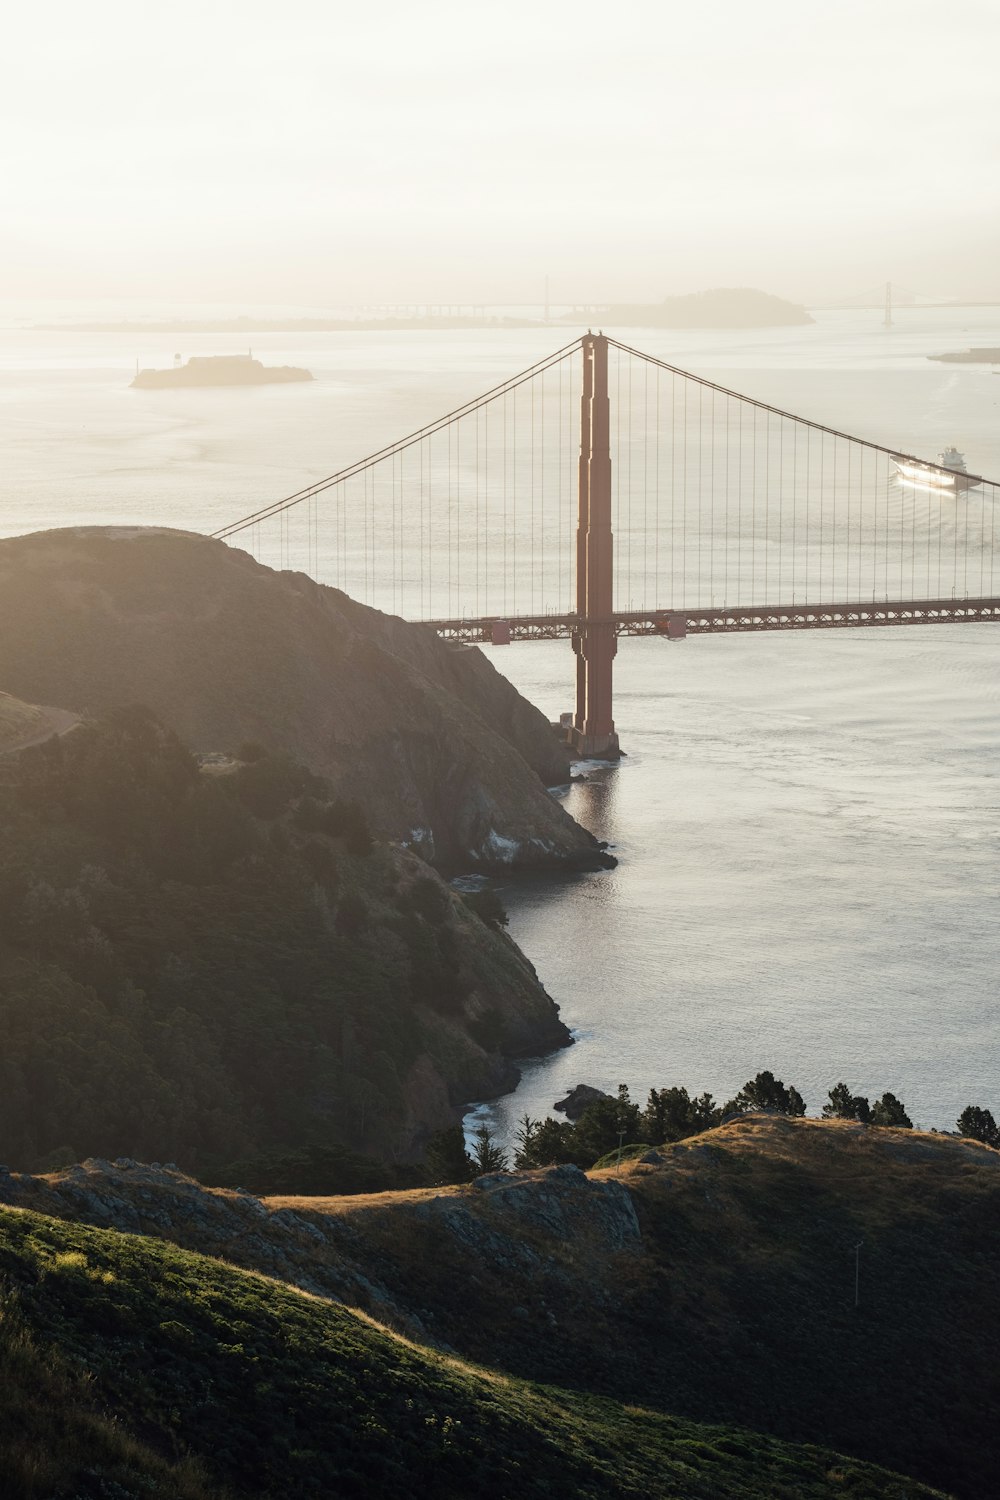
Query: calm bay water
(808, 829)
(807, 826)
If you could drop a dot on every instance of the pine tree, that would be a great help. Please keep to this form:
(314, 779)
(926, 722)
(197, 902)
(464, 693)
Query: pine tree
(844, 1105)
(889, 1111)
(487, 1156)
(979, 1125)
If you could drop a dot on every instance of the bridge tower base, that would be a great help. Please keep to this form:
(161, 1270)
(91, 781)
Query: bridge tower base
(595, 642)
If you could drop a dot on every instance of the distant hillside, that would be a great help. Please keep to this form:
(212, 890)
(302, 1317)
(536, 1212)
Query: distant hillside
(434, 743)
(206, 966)
(722, 307)
(24, 724)
(131, 1368)
(715, 1283)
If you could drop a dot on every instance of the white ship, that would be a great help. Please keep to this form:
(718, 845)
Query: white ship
(949, 477)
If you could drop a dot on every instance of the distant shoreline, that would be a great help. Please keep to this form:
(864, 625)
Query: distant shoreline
(679, 313)
(287, 325)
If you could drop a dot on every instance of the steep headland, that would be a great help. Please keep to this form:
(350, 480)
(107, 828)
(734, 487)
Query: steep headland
(435, 745)
(713, 1282)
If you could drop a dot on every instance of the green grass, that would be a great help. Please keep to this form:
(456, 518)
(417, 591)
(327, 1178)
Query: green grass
(131, 1368)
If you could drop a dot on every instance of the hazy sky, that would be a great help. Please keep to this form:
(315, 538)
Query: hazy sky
(314, 151)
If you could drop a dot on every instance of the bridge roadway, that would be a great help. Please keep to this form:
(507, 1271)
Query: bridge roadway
(676, 624)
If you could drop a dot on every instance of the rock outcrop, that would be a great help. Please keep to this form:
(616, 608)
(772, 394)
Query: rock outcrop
(441, 751)
(578, 1099)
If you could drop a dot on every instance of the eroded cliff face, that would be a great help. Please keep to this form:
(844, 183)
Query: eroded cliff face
(441, 750)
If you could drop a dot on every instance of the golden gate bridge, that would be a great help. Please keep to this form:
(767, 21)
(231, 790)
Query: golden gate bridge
(603, 493)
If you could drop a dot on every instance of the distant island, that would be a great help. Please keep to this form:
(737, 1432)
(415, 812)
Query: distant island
(722, 307)
(969, 357)
(220, 369)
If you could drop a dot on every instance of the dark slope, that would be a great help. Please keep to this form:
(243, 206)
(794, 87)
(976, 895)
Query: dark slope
(434, 743)
(206, 965)
(175, 1375)
(717, 1285)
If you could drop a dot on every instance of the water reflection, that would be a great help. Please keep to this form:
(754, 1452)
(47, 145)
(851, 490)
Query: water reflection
(807, 828)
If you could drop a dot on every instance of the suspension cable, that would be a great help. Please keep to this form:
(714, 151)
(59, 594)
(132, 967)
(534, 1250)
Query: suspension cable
(778, 412)
(417, 436)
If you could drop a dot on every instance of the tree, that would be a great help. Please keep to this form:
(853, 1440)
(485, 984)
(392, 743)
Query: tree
(548, 1143)
(767, 1092)
(527, 1135)
(671, 1114)
(844, 1105)
(487, 1156)
(889, 1111)
(979, 1125)
(446, 1157)
(606, 1124)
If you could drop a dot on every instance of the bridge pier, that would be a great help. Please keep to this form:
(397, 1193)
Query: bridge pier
(594, 640)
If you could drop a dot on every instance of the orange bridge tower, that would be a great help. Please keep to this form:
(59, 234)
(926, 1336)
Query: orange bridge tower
(594, 639)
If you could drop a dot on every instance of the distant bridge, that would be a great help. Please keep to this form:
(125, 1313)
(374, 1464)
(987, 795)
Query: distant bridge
(604, 493)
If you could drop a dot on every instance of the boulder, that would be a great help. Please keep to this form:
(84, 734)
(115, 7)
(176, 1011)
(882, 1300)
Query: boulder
(579, 1099)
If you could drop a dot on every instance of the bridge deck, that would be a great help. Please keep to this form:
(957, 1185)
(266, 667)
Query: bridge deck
(676, 624)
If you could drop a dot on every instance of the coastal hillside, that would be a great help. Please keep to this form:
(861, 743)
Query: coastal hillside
(214, 963)
(714, 1281)
(433, 743)
(132, 1368)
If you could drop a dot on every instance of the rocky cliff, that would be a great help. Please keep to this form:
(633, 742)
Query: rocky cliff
(440, 750)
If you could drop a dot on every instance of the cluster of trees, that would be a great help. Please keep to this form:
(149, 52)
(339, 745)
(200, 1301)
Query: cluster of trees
(614, 1126)
(843, 1105)
(979, 1125)
(207, 969)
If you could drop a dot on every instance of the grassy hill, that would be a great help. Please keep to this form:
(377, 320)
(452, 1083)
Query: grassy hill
(715, 1285)
(130, 1368)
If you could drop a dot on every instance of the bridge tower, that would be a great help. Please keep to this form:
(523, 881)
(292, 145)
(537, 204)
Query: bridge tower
(594, 639)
